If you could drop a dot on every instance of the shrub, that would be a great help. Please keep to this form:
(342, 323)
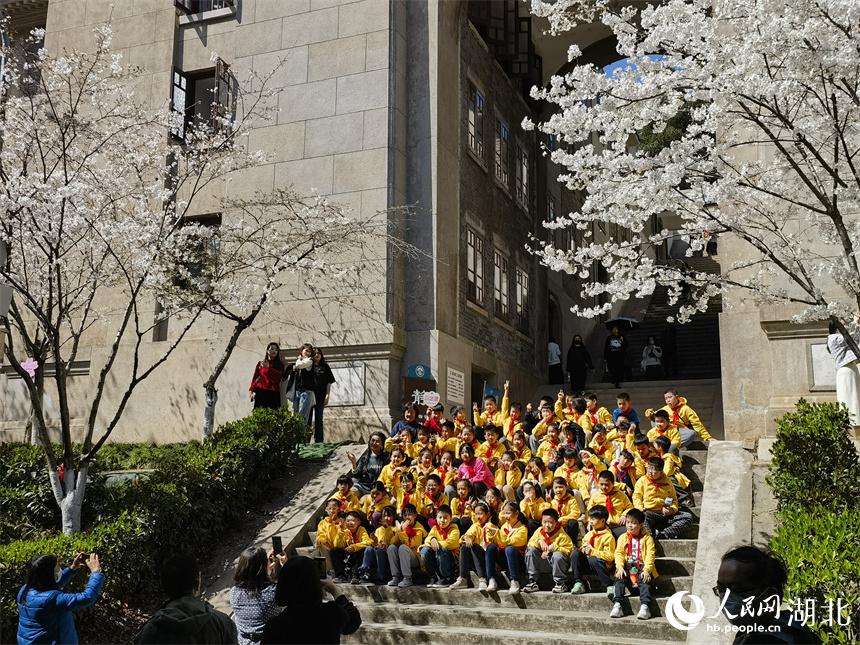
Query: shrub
(821, 551)
(814, 459)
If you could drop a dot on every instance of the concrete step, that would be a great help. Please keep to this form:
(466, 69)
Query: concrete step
(386, 634)
(694, 457)
(677, 548)
(307, 551)
(514, 619)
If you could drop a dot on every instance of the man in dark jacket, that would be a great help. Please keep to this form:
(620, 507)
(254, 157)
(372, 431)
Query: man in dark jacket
(185, 618)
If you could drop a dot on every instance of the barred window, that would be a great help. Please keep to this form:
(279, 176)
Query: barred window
(500, 284)
(501, 152)
(476, 121)
(522, 178)
(474, 267)
(522, 300)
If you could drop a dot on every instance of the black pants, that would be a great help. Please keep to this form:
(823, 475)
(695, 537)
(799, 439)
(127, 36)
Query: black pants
(669, 526)
(616, 369)
(581, 564)
(473, 558)
(266, 399)
(346, 564)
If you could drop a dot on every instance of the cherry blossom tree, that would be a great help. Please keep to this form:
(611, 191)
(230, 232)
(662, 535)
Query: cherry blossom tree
(768, 155)
(97, 200)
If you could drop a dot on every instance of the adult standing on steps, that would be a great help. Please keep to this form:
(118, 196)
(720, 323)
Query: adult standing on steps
(556, 376)
(847, 373)
(265, 390)
(578, 364)
(323, 378)
(615, 354)
(301, 381)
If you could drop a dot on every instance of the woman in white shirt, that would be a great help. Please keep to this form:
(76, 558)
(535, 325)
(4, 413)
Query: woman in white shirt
(556, 375)
(847, 373)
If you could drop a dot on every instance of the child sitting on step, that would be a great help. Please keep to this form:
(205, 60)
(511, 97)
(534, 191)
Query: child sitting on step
(473, 548)
(548, 551)
(509, 548)
(441, 549)
(672, 469)
(376, 556)
(596, 553)
(374, 502)
(348, 552)
(613, 497)
(345, 495)
(655, 496)
(634, 565)
(403, 556)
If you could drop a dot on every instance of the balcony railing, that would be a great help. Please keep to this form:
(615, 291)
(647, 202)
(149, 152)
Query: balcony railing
(199, 6)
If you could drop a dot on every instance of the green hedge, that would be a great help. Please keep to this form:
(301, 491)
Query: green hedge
(814, 476)
(192, 494)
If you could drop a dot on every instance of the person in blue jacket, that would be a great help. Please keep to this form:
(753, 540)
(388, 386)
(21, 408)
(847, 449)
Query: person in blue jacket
(44, 611)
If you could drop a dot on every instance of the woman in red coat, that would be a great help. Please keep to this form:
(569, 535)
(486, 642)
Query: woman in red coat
(266, 384)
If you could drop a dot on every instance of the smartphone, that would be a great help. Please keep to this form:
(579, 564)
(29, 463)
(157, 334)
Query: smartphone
(323, 574)
(277, 544)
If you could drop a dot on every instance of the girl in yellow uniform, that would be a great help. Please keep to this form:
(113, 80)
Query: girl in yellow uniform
(374, 502)
(376, 557)
(531, 506)
(403, 557)
(447, 473)
(390, 474)
(348, 552)
(461, 505)
(508, 476)
(508, 549)
(520, 448)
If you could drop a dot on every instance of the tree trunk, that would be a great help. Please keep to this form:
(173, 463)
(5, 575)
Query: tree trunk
(209, 411)
(70, 510)
(69, 494)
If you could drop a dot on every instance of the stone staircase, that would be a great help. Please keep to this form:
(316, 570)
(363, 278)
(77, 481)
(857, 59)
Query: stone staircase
(421, 615)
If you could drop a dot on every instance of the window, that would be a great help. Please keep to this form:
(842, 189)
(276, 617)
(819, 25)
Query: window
(500, 284)
(522, 179)
(476, 121)
(159, 323)
(202, 248)
(522, 300)
(204, 98)
(199, 6)
(501, 152)
(474, 267)
(550, 216)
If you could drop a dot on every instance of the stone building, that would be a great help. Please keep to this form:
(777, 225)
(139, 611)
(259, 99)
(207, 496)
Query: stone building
(388, 103)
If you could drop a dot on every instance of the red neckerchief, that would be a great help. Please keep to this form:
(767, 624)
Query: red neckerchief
(433, 500)
(342, 503)
(676, 418)
(591, 476)
(601, 447)
(609, 506)
(546, 538)
(594, 535)
(443, 532)
(567, 470)
(507, 531)
(410, 532)
(618, 473)
(560, 501)
(406, 497)
(592, 416)
(352, 537)
(519, 453)
(652, 482)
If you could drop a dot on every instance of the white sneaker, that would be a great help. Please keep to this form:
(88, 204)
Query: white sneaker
(492, 585)
(616, 611)
(482, 584)
(515, 586)
(460, 583)
(644, 613)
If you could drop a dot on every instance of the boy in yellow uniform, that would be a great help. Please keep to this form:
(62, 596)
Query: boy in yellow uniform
(547, 419)
(459, 417)
(549, 447)
(548, 551)
(596, 412)
(672, 464)
(613, 497)
(586, 479)
(329, 528)
(448, 441)
(624, 470)
(408, 493)
(520, 448)
(569, 506)
(348, 552)
(684, 418)
(473, 546)
(644, 452)
(662, 428)
(344, 494)
(509, 548)
(491, 450)
(441, 549)
(532, 506)
(374, 502)
(563, 407)
(596, 553)
(431, 501)
(655, 496)
(403, 556)
(491, 413)
(541, 475)
(603, 443)
(569, 468)
(514, 423)
(390, 474)
(634, 565)
(376, 557)
(508, 476)
(424, 442)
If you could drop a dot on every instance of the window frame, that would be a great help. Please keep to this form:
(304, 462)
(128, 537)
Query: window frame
(501, 285)
(222, 106)
(193, 7)
(477, 108)
(502, 152)
(521, 176)
(474, 267)
(522, 300)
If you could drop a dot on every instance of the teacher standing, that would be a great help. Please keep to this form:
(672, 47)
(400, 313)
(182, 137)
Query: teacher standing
(265, 390)
(323, 378)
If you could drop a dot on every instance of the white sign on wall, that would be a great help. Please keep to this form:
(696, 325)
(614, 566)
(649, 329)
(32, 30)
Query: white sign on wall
(348, 388)
(822, 367)
(455, 385)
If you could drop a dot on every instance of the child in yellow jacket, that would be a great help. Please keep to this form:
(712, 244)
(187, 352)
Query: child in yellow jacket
(448, 441)
(329, 527)
(672, 464)
(441, 549)
(374, 502)
(375, 567)
(431, 501)
(491, 450)
(409, 492)
(344, 494)
(603, 443)
(491, 413)
(447, 473)
(508, 549)
(569, 467)
(520, 448)
(423, 467)
(586, 479)
(662, 428)
(597, 413)
(461, 505)
(634, 565)
(473, 545)
(514, 423)
(348, 552)
(655, 496)
(403, 557)
(613, 497)
(509, 475)
(390, 474)
(684, 418)
(549, 448)
(569, 506)
(596, 553)
(548, 551)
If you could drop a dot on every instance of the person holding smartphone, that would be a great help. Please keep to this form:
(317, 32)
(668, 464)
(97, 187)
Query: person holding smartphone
(45, 612)
(252, 597)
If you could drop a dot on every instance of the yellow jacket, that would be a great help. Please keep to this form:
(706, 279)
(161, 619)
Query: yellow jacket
(602, 544)
(446, 445)
(563, 413)
(532, 510)
(540, 427)
(327, 532)
(639, 463)
(348, 502)
(448, 477)
(647, 553)
(511, 477)
(427, 506)
(687, 418)
(480, 535)
(586, 480)
(515, 536)
(567, 507)
(459, 508)
(416, 448)
(497, 418)
(650, 496)
(523, 455)
(488, 453)
(548, 451)
(415, 497)
(390, 476)
(415, 540)
(420, 475)
(510, 427)
(449, 540)
(671, 434)
(368, 507)
(606, 450)
(384, 536)
(618, 499)
(561, 540)
(672, 467)
(360, 539)
(601, 415)
(569, 474)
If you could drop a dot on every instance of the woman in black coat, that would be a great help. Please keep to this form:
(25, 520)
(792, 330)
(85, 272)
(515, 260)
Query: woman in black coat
(578, 364)
(306, 618)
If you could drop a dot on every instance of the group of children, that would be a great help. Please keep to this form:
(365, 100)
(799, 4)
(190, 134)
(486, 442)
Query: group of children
(568, 490)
